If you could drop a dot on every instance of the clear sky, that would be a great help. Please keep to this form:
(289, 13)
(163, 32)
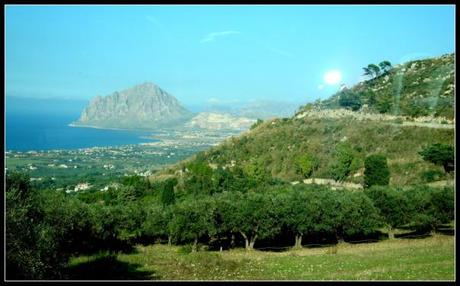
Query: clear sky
(204, 54)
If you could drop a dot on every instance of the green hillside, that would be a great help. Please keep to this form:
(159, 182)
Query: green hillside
(324, 140)
(416, 88)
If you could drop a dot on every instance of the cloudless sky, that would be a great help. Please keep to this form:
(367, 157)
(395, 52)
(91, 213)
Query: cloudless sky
(204, 54)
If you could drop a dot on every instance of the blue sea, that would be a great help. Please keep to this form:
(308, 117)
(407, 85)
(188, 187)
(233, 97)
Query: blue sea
(36, 125)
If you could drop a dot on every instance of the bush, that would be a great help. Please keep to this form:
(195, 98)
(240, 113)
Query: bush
(432, 176)
(430, 208)
(439, 154)
(376, 171)
(350, 99)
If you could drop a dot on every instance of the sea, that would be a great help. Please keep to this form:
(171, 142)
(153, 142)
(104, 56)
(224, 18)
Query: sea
(39, 125)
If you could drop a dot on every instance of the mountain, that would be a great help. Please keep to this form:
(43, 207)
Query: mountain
(219, 121)
(330, 141)
(255, 109)
(144, 106)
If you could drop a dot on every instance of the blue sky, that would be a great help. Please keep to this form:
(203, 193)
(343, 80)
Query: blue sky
(203, 54)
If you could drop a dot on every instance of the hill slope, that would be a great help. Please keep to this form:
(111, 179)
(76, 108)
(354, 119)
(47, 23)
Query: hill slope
(416, 88)
(312, 143)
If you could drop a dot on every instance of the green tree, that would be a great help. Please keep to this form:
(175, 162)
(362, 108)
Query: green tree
(430, 208)
(256, 172)
(306, 164)
(23, 218)
(251, 214)
(439, 154)
(375, 70)
(156, 221)
(385, 66)
(392, 205)
(349, 99)
(167, 192)
(367, 72)
(306, 211)
(376, 171)
(199, 180)
(345, 161)
(358, 215)
(193, 219)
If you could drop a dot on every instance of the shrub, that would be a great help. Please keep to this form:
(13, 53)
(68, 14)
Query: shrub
(376, 171)
(439, 154)
(350, 99)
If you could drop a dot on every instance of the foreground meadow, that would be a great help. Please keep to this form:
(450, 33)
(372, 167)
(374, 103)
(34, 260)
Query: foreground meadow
(430, 258)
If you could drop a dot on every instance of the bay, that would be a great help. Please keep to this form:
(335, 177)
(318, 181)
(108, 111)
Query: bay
(44, 130)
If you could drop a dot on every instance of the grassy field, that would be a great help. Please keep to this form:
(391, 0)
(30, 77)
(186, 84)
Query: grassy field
(430, 258)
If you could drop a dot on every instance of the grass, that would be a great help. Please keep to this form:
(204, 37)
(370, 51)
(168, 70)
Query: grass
(429, 258)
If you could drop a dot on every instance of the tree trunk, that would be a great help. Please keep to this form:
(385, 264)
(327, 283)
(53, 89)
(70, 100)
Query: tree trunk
(252, 242)
(338, 238)
(246, 240)
(195, 243)
(169, 240)
(391, 233)
(298, 241)
(232, 242)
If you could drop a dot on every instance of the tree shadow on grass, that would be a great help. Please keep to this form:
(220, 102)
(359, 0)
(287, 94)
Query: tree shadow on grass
(108, 268)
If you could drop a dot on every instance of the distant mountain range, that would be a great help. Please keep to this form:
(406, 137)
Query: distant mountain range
(256, 109)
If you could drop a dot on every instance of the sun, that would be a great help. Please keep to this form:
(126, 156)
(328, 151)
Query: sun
(332, 77)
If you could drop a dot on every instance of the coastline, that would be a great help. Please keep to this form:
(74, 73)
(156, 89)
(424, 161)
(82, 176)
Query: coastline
(106, 128)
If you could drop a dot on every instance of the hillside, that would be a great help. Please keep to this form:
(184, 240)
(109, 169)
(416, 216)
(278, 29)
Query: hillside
(219, 121)
(311, 143)
(145, 106)
(416, 88)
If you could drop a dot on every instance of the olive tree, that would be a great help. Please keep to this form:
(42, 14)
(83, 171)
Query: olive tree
(392, 205)
(192, 219)
(251, 214)
(307, 211)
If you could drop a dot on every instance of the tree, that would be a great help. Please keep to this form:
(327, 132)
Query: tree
(192, 219)
(256, 172)
(167, 192)
(375, 70)
(251, 214)
(439, 154)
(345, 161)
(307, 211)
(392, 205)
(350, 99)
(306, 164)
(385, 66)
(357, 214)
(429, 208)
(156, 221)
(376, 171)
(367, 72)
(23, 216)
(199, 180)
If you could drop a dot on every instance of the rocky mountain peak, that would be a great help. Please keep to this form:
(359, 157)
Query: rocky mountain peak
(144, 106)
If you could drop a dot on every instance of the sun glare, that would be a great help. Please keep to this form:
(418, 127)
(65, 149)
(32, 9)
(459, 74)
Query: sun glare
(332, 77)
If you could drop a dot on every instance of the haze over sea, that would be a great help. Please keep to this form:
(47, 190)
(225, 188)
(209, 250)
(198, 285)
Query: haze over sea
(42, 124)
